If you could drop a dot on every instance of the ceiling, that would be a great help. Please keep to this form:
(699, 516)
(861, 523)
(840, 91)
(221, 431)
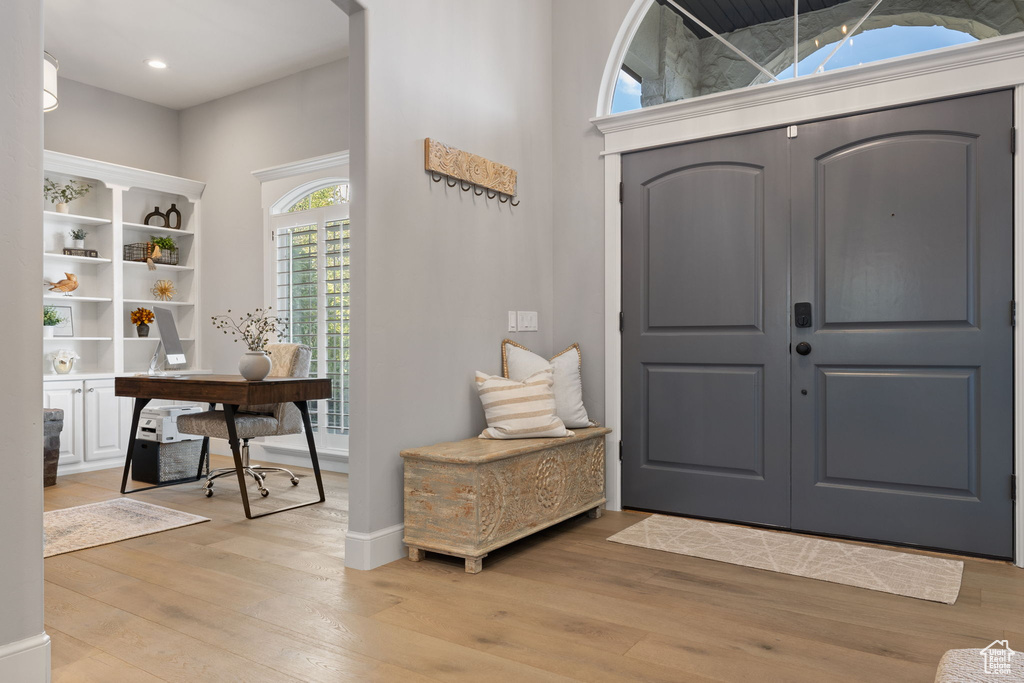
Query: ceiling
(725, 16)
(212, 47)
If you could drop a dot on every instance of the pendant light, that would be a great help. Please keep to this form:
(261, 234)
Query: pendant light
(50, 67)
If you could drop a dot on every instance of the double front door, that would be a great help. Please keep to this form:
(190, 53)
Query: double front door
(817, 329)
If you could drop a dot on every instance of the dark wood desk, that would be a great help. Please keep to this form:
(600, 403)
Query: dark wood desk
(230, 391)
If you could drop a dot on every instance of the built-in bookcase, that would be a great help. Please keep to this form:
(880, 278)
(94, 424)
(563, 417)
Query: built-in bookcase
(113, 214)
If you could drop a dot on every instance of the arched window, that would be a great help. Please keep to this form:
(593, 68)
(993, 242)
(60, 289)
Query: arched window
(310, 267)
(681, 49)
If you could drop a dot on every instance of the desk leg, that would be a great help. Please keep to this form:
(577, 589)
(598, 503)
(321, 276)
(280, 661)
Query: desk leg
(303, 407)
(140, 403)
(204, 457)
(236, 452)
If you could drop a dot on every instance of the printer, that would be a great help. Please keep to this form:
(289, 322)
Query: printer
(160, 423)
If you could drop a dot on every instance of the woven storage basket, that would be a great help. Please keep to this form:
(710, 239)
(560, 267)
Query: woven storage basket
(140, 251)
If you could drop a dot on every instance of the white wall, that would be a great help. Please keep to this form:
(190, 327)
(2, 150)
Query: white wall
(99, 124)
(583, 33)
(436, 269)
(24, 648)
(222, 143)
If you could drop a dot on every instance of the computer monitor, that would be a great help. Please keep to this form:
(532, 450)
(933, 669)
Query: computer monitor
(168, 337)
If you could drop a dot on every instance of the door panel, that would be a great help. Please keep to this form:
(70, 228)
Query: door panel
(67, 396)
(902, 238)
(705, 329)
(102, 418)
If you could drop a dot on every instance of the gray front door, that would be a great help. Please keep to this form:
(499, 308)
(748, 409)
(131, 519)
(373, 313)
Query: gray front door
(884, 410)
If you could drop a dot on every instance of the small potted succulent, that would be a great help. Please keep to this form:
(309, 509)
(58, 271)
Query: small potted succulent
(62, 195)
(141, 318)
(51, 318)
(78, 237)
(255, 330)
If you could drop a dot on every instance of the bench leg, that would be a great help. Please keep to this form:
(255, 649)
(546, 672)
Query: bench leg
(595, 513)
(474, 565)
(417, 554)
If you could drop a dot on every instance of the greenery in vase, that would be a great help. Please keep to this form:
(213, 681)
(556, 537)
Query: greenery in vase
(165, 243)
(253, 328)
(63, 194)
(51, 317)
(78, 234)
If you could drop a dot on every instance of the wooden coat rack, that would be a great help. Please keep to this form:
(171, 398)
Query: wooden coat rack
(471, 171)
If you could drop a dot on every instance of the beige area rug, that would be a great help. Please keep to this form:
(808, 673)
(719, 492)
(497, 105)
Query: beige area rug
(888, 571)
(87, 526)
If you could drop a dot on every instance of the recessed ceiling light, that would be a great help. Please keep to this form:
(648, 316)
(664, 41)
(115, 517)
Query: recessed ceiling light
(156, 63)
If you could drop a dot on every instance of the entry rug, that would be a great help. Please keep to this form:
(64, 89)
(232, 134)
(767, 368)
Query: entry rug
(87, 526)
(888, 571)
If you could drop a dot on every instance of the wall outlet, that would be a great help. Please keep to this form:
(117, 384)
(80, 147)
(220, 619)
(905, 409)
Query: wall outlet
(527, 321)
(513, 321)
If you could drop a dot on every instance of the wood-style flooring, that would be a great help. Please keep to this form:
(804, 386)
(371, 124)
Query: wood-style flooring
(270, 600)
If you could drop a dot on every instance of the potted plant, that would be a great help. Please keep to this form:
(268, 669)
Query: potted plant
(141, 318)
(78, 237)
(162, 244)
(254, 329)
(62, 195)
(51, 318)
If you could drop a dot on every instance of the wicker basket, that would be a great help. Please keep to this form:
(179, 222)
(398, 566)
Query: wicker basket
(140, 251)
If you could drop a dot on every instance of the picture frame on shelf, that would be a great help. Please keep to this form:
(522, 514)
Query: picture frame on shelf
(67, 326)
(89, 253)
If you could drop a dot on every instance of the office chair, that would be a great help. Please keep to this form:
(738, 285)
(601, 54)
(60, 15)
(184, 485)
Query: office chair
(287, 360)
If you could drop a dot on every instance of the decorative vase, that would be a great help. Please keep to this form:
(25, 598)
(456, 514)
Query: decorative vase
(142, 329)
(254, 365)
(173, 217)
(62, 366)
(61, 207)
(48, 332)
(78, 244)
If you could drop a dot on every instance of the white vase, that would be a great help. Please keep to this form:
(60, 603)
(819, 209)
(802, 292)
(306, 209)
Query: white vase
(62, 207)
(254, 365)
(78, 244)
(48, 332)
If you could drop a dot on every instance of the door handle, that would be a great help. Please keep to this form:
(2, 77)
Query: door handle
(803, 348)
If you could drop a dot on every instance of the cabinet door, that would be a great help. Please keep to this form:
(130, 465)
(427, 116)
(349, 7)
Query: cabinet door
(102, 421)
(68, 397)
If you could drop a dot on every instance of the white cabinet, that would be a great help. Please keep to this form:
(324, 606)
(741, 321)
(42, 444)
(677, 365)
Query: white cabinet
(68, 396)
(103, 429)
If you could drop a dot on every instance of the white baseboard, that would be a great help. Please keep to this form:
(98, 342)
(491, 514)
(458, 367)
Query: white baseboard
(374, 549)
(78, 467)
(27, 660)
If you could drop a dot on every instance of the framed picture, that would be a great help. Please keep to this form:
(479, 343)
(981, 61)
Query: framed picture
(67, 326)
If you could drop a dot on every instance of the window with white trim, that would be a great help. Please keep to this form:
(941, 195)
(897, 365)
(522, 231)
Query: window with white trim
(310, 269)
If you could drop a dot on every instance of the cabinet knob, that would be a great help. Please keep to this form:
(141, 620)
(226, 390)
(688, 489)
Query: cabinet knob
(92, 389)
(78, 391)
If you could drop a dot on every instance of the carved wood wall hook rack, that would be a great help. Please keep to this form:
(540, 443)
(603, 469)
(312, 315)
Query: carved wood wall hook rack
(470, 172)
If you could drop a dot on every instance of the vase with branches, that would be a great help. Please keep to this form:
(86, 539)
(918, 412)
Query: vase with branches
(255, 331)
(62, 195)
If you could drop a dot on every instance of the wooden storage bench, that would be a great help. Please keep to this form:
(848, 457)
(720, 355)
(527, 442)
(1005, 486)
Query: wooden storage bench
(467, 498)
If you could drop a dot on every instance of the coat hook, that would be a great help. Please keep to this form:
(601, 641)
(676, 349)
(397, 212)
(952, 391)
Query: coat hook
(436, 177)
(515, 203)
(466, 187)
(478, 191)
(450, 183)
(503, 199)
(491, 195)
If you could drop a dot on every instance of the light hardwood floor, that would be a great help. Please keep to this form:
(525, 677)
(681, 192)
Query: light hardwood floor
(270, 600)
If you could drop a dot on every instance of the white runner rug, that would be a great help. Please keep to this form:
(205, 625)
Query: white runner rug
(888, 571)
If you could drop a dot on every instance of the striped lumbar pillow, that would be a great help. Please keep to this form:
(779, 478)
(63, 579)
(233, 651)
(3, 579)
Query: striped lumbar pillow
(520, 410)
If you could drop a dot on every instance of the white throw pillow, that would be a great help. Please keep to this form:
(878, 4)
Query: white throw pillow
(519, 410)
(518, 362)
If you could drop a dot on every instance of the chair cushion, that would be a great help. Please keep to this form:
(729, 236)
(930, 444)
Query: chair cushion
(212, 423)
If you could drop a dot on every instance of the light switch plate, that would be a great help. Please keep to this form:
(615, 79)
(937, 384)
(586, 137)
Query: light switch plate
(513, 321)
(527, 321)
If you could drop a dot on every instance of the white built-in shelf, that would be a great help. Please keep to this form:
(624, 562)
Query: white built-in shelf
(154, 302)
(73, 299)
(76, 259)
(156, 230)
(156, 338)
(71, 339)
(159, 266)
(73, 219)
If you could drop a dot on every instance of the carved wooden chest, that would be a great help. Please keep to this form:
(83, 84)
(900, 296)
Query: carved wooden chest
(467, 498)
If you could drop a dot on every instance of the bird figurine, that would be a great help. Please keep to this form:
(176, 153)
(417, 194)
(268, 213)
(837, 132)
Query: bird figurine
(67, 285)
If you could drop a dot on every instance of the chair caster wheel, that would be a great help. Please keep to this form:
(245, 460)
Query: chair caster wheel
(295, 481)
(209, 493)
(264, 492)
